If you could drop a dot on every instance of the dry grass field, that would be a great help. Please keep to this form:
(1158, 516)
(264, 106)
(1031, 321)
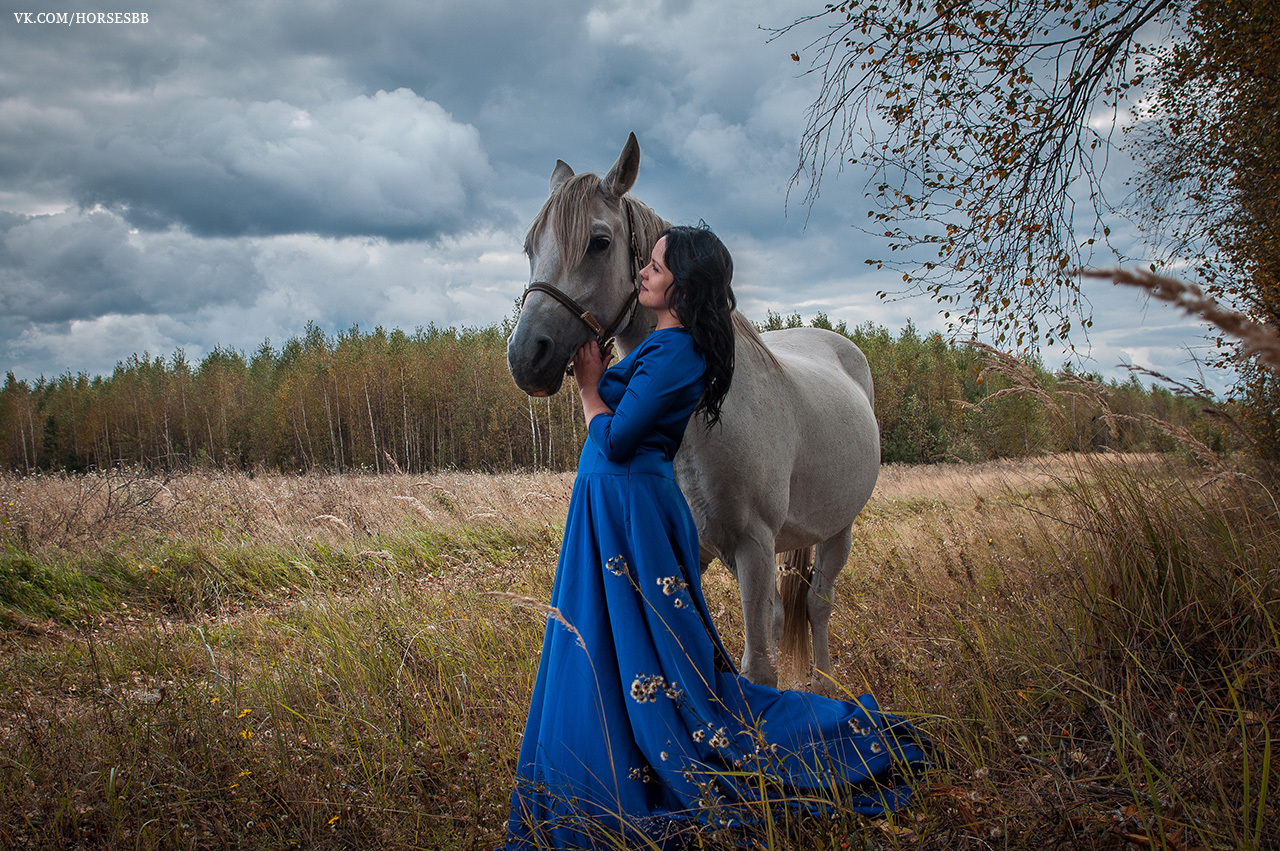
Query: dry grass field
(219, 660)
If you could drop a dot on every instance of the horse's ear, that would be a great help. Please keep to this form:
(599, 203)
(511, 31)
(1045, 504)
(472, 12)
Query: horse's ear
(622, 176)
(560, 175)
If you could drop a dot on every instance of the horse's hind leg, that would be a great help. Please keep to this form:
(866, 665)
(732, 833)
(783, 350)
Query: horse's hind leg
(829, 560)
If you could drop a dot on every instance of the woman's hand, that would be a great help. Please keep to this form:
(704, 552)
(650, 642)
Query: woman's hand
(589, 363)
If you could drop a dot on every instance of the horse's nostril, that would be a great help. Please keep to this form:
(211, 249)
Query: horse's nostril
(542, 351)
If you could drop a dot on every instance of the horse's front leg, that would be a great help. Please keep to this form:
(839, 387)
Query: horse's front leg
(761, 609)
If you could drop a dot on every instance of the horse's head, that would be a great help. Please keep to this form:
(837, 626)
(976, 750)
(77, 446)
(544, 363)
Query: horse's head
(580, 246)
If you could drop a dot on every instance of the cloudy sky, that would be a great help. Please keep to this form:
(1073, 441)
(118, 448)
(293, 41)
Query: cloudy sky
(225, 172)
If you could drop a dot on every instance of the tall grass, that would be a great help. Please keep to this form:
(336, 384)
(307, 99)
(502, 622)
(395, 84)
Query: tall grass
(342, 722)
(73, 547)
(1178, 650)
(1090, 641)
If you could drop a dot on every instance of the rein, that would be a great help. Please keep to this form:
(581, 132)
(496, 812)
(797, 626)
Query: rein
(603, 333)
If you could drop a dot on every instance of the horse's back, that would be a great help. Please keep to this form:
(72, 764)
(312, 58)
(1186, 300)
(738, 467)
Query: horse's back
(817, 349)
(798, 448)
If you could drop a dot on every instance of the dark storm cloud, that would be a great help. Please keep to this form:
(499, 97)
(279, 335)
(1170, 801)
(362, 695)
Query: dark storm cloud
(211, 118)
(71, 266)
(390, 165)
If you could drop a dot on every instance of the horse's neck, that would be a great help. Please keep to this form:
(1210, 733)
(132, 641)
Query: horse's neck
(640, 326)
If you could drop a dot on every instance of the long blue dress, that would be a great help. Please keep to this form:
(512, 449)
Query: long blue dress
(640, 729)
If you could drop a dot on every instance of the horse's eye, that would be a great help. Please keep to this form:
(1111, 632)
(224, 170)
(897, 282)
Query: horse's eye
(598, 244)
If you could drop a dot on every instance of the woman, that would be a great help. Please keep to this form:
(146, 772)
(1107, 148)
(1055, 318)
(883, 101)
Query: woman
(640, 730)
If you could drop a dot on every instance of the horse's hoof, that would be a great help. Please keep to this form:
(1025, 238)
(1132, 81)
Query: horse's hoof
(761, 678)
(826, 688)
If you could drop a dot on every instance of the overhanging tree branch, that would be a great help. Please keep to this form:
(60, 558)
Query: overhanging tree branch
(974, 121)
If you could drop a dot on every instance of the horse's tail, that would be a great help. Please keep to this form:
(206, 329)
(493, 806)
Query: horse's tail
(795, 571)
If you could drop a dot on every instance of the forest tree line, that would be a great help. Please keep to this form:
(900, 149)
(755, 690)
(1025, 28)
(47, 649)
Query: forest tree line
(441, 398)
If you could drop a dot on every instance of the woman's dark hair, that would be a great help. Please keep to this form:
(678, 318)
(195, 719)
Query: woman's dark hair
(702, 298)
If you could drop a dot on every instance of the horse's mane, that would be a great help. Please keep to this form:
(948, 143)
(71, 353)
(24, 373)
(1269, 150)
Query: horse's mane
(568, 211)
(744, 330)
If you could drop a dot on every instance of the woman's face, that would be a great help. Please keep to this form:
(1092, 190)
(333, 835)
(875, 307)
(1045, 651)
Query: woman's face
(655, 279)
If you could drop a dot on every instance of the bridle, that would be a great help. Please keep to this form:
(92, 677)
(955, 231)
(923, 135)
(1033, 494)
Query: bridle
(603, 333)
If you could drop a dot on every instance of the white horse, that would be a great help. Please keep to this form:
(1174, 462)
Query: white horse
(797, 450)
